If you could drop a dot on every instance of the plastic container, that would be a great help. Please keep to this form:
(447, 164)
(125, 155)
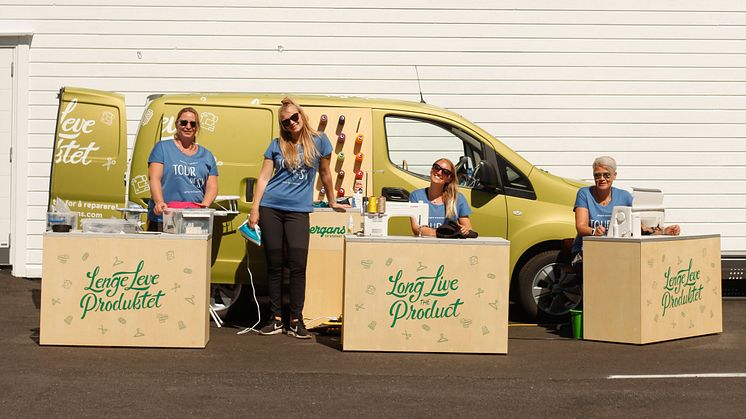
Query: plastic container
(576, 319)
(188, 221)
(111, 225)
(61, 222)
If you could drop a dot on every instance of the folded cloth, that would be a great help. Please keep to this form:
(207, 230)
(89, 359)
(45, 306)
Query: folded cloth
(181, 204)
(452, 230)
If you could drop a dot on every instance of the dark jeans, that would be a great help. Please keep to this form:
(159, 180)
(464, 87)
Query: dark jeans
(288, 231)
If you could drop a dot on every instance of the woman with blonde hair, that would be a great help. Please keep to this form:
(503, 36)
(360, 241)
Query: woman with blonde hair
(182, 173)
(282, 202)
(444, 200)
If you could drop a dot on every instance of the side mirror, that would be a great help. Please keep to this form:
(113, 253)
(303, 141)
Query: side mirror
(486, 176)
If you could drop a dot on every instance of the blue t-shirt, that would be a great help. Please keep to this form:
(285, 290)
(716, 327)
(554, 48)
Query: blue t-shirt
(184, 177)
(437, 212)
(598, 215)
(292, 189)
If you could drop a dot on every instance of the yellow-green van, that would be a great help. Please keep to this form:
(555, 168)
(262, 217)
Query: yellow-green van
(510, 197)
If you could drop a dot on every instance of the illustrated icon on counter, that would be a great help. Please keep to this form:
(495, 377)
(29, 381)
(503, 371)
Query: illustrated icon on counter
(491, 276)
(182, 326)
(367, 263)
(187, 271)
(407, 335)
(162, 317)
(122, 320)
(359, 307)
(69, 319)
(63, 258)
(420, 267)
(493, 304)
(372, 325)
(389, 261)
(170, 255)
(85, 256)
(190, 300)
(425, 327)
(442, 339)
(138, 333)
(176, 286)
(466, 323)
(66, 284)
(56, 301)
(370, 290)
(103, 330)
(117, 261)
(479, 292)
(485, 330)
(473, 260)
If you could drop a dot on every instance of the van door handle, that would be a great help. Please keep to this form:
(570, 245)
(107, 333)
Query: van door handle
(250, 182)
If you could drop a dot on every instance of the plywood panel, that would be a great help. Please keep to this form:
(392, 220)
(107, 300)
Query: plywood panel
(390, 303)
(325, 268)
(681, 289)
(651, 290)
(611, 292)
(125, 291)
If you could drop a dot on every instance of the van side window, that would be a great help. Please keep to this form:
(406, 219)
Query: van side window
(515, 183)
(414, 144)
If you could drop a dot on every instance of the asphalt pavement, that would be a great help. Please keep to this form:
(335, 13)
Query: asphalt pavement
(545, 373)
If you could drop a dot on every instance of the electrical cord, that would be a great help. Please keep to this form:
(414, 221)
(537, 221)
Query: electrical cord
(253, 293)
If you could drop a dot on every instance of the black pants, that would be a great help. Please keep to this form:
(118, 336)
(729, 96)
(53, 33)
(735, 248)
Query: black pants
(286, 230)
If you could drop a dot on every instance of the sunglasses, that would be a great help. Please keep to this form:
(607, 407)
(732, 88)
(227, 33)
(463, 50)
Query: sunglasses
(293, 118)
(606, 176)
(184, 122)
(437, 168)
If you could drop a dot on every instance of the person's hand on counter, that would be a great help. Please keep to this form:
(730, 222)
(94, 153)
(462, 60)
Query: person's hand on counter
(159, 207)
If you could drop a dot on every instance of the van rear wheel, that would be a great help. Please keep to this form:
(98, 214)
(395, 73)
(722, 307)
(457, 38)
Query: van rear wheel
(548, 289)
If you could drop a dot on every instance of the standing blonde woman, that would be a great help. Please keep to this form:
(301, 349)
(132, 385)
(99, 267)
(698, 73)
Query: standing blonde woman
(444, 200)
(282, 203)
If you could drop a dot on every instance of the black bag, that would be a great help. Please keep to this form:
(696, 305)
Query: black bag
(452, 230)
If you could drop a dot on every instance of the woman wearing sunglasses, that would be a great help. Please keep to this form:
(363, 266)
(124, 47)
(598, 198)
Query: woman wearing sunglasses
(594, 204)
(444, 200)
(182, 173)
(282, 202)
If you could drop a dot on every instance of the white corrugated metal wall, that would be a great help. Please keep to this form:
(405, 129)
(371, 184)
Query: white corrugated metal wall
(657, 84)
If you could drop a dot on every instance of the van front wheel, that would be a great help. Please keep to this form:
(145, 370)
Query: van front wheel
(222, 297)
(547, 287)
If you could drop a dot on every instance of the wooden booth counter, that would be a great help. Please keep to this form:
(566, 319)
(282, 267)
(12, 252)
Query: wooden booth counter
(125, 290)
(651, 289)
(325, 268)
(426, 294)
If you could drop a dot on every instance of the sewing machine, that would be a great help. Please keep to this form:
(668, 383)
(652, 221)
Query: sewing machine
(377, 225)
(646, 211)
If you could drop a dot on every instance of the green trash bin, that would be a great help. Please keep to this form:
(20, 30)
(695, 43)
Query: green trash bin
(576, 319)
